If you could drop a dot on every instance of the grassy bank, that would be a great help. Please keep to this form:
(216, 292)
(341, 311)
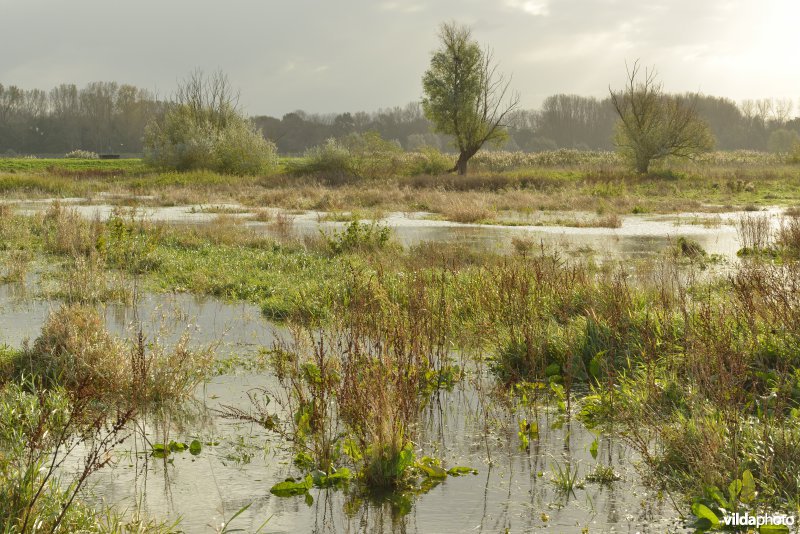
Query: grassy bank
(726, 181)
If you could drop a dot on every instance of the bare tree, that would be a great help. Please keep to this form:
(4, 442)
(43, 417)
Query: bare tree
(653, 125)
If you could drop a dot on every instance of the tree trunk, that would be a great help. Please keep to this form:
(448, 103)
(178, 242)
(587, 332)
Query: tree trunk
(642, 164)
(461, 164)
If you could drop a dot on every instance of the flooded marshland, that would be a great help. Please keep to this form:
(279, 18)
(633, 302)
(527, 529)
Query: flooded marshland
(527, 461)
(239, 462)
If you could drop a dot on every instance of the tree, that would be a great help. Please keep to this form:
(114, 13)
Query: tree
(653, 125)
(202, 128)
(465, 96)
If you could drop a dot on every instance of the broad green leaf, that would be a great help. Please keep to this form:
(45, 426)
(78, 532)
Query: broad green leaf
(290, 487)
(703, 512)
(593, 449)
(717, 495)
(748, 487)
(195, 447)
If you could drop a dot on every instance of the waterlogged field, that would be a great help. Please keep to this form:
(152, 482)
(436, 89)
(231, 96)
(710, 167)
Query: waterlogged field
(204, 353)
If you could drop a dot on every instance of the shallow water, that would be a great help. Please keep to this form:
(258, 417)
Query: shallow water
(512, 491)
(638, 236)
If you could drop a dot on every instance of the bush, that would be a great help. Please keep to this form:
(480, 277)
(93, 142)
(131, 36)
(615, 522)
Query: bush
(366, 156)
(202, 129)
(428, 160)
(328, 158)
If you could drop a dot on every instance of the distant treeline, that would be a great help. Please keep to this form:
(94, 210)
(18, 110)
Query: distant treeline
(107, 117)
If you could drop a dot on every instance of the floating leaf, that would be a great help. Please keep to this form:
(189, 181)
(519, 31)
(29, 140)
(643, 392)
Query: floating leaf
(459, 470)
(309, 499)
(290, 488)
(195, 447)
(176, 446)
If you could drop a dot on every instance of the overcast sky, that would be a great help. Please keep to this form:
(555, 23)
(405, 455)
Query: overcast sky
(350, 55)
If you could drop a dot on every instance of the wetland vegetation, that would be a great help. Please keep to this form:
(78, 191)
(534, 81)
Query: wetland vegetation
(686, 362)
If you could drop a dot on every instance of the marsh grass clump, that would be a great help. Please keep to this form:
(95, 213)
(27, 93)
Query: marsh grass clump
(788, 234)
(353, 389)
(359, 237)
(701, 406)
(754, 232)
(686, 247)
(17, 265)
(75, 350)
(66, 232)
(602, 474)
(86, 281)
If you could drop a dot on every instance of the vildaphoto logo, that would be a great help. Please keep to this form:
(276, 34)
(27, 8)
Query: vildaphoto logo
(759, 520)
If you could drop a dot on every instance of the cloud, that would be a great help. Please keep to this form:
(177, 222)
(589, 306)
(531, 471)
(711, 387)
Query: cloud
(400, 7)
(537, 8)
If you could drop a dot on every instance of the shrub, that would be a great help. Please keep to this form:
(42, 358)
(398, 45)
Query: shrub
(203, 129)
(371, 156)
(366, 156)
(428, 160)
(329, 158)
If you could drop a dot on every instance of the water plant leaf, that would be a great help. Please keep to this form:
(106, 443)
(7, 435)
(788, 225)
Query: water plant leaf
(319, 477)
(704, 512)
(405, 460)
(748, 487)
(195, 447)
(594, 365)
(290, 488)
(715, 493)
(176, 446)
(160, 450)
(431, 468)
(342, 473)
(309, 499)
(459, 470)
(593, 449)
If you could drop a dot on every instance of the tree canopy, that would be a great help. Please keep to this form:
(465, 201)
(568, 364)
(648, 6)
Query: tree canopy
(465, 96)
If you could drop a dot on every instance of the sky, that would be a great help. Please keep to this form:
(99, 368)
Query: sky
(352, 55)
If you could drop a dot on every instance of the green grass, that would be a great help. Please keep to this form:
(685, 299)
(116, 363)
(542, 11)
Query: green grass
(12, 165)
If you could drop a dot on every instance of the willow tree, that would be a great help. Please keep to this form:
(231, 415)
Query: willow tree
(465, 96)
(653, 125)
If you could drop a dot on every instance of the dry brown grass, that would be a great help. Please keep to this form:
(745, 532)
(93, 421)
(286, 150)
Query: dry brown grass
(17, 265)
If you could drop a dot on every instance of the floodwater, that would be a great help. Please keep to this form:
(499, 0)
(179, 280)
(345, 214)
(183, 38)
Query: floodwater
(513, 489)
(638, 236)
